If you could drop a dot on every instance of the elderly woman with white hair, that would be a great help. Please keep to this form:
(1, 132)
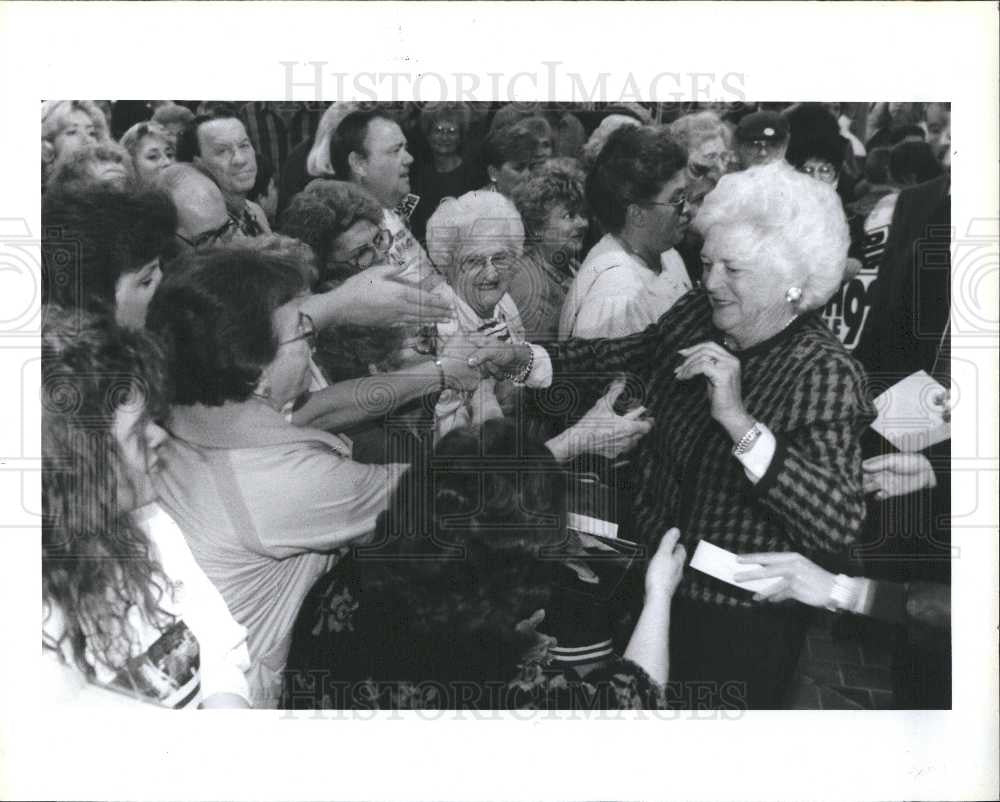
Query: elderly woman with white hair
(477, 241)
(760, 411)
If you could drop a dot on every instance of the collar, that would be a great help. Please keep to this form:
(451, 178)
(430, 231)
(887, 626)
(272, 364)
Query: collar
(792, 329)
(246, 424)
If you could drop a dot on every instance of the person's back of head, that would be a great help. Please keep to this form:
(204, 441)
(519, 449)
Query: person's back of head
(913, 163)
(814, 134)
(104, 163)
(91, 239)
(911, 132)
(200, 204)
(462, 552)
(877, 166)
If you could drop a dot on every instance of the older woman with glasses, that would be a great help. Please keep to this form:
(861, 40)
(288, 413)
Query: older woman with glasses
(637, 189)
(708, 141)
(152, 150)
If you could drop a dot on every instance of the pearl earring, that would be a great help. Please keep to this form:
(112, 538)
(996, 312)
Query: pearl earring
(793, 294)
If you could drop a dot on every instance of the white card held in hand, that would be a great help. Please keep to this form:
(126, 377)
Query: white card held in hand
(722, 565)
(911, 414)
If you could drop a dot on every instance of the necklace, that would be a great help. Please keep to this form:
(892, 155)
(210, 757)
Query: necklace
(731, 345)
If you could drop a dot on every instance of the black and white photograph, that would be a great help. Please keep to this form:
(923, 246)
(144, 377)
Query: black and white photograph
(358, 408)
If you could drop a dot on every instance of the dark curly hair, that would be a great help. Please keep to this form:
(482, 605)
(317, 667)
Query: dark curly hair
(96, 563)
(213, 311)
(632, 167)
(91, 238)
(814, 134)
(321, 213)
(461, 555)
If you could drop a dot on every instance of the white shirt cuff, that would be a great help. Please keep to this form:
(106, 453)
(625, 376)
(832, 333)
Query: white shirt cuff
(757, 460)
(541, 370)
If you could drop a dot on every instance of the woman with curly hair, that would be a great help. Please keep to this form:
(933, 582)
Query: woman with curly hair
(68, 125)
(102, 164)
(637, 190)
(115, 620)
(454, 604)
(553, 209)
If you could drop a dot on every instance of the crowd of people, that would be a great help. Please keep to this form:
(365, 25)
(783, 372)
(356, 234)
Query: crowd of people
(332, 398)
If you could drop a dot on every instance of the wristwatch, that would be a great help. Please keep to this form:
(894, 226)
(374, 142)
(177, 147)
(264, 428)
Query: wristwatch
(746, 441)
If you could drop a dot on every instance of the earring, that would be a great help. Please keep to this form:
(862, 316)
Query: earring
(793, 294)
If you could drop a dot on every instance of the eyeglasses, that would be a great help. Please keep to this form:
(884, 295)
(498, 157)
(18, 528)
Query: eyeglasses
(365, 256)
(307, 332)
(678, 201)
(221, 234)
(504, 260)
(824, 171)
(445, 129)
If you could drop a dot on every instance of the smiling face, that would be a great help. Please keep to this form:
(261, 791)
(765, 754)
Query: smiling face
(445, 137)
(745, 287)
(564, 230)
(484, 274)
(663, 221)
(137, 438)
(226, 152)
(384, 168)
(133, 293)
(152, 156)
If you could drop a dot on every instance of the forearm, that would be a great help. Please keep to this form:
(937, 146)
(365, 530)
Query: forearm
(649, 646)
(349, 403)
(327, 308)
(566, 445)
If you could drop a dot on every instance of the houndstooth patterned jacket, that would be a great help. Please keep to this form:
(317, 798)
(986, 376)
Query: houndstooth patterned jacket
(801, 384)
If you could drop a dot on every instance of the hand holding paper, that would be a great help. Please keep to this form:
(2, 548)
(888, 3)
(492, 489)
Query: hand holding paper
(725, 565)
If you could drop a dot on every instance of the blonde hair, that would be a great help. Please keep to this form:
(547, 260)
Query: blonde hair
(54, 113)
(799, 225)
(133, 137)
(318, 163)
(477, 217)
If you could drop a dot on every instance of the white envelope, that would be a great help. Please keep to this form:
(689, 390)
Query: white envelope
(722, 565)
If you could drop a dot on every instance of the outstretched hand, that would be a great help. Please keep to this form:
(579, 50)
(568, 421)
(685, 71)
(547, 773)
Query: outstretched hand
(602, 431)
(892, 475)
(801, 578)
(378, 297)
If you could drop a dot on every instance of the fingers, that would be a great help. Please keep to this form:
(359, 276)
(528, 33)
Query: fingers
(670, 538)
(879, 463)
(634, 414)
(615, 389)
(785, 570)
(777, 592)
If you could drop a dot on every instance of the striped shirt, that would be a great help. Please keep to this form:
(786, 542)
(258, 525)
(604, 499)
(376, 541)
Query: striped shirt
(275, 127)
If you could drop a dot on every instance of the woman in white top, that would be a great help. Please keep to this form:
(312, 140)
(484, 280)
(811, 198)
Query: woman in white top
(637, 189)
(127, 614)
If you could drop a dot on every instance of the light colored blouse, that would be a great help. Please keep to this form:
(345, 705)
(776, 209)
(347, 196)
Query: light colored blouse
(265, 506)
(197, 651)
(615, 294)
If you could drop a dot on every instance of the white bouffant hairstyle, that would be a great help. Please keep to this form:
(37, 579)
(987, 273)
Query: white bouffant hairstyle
(318, 163)
(798, 223)
(476, 219)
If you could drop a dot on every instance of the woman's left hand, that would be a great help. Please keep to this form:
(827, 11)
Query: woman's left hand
(801, 578)
(722, 370)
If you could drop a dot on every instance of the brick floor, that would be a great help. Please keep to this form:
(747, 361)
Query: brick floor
(844, 666)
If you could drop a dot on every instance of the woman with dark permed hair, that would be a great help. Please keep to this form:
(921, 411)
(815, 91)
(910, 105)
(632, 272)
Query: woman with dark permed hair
(115, 622)
(637, 190)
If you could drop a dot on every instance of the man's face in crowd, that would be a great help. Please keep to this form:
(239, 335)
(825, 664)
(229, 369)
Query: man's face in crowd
(226, 152)
(759, 152)
(384, 168)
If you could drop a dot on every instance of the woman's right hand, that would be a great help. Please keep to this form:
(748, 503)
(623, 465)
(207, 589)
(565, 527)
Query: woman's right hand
(663, 574)
(499, 358)
(603, 431)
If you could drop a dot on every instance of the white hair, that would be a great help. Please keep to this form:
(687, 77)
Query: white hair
(593, 146)
(476, 218)
(798, 223)
(318, 162)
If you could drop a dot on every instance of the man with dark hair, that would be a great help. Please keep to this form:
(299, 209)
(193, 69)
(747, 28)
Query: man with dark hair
(761, 138)
(369, 149)
(218, 145)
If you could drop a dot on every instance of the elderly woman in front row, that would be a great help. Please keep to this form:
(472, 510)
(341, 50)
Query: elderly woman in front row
(760, 412)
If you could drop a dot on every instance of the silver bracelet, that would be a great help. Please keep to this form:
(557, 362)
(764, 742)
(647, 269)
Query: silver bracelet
(522, 375)
(843, 594)
(746, 441)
